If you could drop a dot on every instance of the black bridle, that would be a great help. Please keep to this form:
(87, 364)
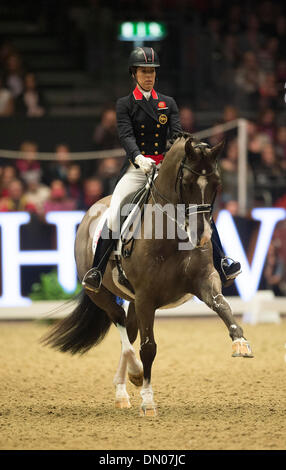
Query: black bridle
(190, 209)
(200, 208)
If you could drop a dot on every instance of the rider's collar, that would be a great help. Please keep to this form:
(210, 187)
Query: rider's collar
(138, 93)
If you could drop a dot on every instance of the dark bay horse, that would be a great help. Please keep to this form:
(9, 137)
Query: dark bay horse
(159, 272)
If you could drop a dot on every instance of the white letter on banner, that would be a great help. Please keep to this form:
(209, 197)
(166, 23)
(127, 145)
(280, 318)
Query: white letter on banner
(13, 258)
(66, 223)
(247, 282)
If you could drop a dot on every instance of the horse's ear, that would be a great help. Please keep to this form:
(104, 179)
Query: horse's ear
(217, 149)
(189, 149)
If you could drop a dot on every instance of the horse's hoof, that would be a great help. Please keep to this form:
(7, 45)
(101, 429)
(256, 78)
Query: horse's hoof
(122, 403)
(241, 348)
(136, 380)
(148, 410)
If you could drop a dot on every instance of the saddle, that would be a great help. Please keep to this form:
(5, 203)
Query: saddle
(133, 206)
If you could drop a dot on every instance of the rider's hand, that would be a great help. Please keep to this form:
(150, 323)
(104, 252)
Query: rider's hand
(145, 163)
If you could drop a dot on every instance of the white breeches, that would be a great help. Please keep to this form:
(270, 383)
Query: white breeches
(133, 179)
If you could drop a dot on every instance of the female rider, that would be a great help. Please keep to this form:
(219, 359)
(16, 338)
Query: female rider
(145, 120)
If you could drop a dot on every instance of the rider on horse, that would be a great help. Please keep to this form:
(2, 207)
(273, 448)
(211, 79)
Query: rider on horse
(145, 120)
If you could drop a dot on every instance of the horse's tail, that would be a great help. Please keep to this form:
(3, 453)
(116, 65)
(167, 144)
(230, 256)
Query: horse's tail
(83, 328)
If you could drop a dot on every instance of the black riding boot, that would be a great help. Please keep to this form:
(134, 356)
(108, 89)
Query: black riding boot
(227, 272)
(93, 278)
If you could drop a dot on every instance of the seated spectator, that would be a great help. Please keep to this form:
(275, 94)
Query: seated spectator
(247, 80)
(16, 199)
(280, 146)
(279, 237)
(268, 92)
(74, 183)
(274, 270)
(268, 176)
(58, 169)
(229, 176)
(256, 143)
(36, 193)
(6, 100)
(28, 164)
(281, 202)
(93, 191)
(230, 113)
(14, 75)
(6, 50)
(108, 172)
(58, 199)
(267, 124)
(187, 119)
(252, 128)
(105, 135)
(9, 173)
(30, 102)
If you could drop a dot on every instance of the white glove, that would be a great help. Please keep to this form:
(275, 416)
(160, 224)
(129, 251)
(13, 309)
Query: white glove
(145, 163)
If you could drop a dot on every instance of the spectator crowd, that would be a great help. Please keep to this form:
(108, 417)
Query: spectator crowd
(19, 93)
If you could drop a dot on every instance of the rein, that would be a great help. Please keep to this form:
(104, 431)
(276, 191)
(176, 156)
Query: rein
(191, 209)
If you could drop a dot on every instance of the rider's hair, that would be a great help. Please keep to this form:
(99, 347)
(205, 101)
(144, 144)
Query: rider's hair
(132, 71)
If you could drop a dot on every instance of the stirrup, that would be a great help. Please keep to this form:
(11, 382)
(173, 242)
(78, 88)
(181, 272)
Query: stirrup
(228, 276)
(91, 274)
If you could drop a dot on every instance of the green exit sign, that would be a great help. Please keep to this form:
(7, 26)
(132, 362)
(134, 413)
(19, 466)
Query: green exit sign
(141, 31)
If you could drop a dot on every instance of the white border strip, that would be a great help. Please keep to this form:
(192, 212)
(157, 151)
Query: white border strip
(46, 310)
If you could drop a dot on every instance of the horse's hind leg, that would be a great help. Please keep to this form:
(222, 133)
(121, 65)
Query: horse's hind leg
(107, 301)
(135, 368)
(128, 361)
(210, 293)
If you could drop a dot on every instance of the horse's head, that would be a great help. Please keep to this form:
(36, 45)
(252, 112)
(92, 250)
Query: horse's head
(197, 183)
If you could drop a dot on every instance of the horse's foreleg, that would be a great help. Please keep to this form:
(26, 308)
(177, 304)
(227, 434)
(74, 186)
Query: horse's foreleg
(148, 347)
(210, 293)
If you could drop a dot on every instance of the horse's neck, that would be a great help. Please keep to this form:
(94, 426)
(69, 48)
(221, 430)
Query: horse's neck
(165, 185)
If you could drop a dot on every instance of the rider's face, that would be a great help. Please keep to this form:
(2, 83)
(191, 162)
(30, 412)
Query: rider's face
(146, 77)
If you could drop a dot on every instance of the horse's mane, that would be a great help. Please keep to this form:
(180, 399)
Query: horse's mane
(178, 135)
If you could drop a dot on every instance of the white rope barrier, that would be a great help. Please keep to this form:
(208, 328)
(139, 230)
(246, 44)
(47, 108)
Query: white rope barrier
(99, 154)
